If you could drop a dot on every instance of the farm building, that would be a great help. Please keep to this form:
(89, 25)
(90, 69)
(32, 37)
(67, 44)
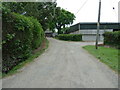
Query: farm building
(89, 30)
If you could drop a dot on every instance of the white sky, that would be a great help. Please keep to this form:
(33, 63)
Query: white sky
(88, 12)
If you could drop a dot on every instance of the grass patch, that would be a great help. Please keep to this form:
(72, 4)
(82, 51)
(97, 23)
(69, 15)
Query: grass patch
(29, 60)
(109, 56)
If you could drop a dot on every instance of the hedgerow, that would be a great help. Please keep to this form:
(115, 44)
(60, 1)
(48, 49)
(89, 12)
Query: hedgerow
(70, 37)
(112, 38)
(38, 34)
(20, 36)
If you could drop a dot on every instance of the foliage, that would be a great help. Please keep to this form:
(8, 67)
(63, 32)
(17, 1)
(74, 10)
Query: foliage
(42, 11)
(70, 37)
(63, 30)
(27, 61)
(18, 37)
(112, 38)
(47, 13)
(108, 56)
(63, 18)
(38, 34)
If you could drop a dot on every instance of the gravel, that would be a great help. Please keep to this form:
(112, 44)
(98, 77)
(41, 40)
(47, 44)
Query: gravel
(64, 65)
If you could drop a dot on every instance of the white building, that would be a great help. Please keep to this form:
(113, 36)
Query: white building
(89, 30)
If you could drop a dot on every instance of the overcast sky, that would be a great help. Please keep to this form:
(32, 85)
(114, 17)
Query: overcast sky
(87, 10)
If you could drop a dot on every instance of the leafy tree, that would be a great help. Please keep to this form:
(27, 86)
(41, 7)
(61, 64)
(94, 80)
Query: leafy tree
(48, 14)
(43, 11)
(63, 30)
(63, 18)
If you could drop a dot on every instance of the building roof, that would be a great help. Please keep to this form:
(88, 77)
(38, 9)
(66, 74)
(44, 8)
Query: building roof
(93, 25)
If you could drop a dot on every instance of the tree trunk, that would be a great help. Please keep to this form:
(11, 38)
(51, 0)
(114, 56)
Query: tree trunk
(59, 30)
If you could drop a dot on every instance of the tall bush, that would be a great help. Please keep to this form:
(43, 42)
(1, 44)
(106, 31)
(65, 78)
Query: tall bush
(38, 34)
(18, 38)
(112, 38)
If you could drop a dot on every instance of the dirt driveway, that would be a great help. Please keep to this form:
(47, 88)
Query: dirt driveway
(64, 65)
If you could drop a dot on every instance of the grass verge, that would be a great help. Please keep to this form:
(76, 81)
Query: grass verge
(109, 56)
(29, 60)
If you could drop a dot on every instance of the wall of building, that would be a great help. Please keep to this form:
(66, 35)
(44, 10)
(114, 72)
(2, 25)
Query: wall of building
(90, 35)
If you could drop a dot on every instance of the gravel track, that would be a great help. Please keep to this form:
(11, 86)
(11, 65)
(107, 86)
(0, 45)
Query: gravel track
(64, 65)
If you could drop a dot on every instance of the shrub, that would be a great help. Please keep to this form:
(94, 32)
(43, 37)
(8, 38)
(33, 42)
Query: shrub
(112, 38)
(38, 33)
(70, 37)
(18, 38)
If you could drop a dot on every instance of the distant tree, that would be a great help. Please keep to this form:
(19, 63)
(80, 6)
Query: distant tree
(63, 30)
(46, 14)
(63, 18)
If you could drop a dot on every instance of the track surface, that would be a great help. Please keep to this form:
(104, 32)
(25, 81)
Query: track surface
(64, 65)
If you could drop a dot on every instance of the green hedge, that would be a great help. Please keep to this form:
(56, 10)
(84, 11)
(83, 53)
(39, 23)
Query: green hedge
(38, 34)
(112, 38)
(20, 36)
(70, 37)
